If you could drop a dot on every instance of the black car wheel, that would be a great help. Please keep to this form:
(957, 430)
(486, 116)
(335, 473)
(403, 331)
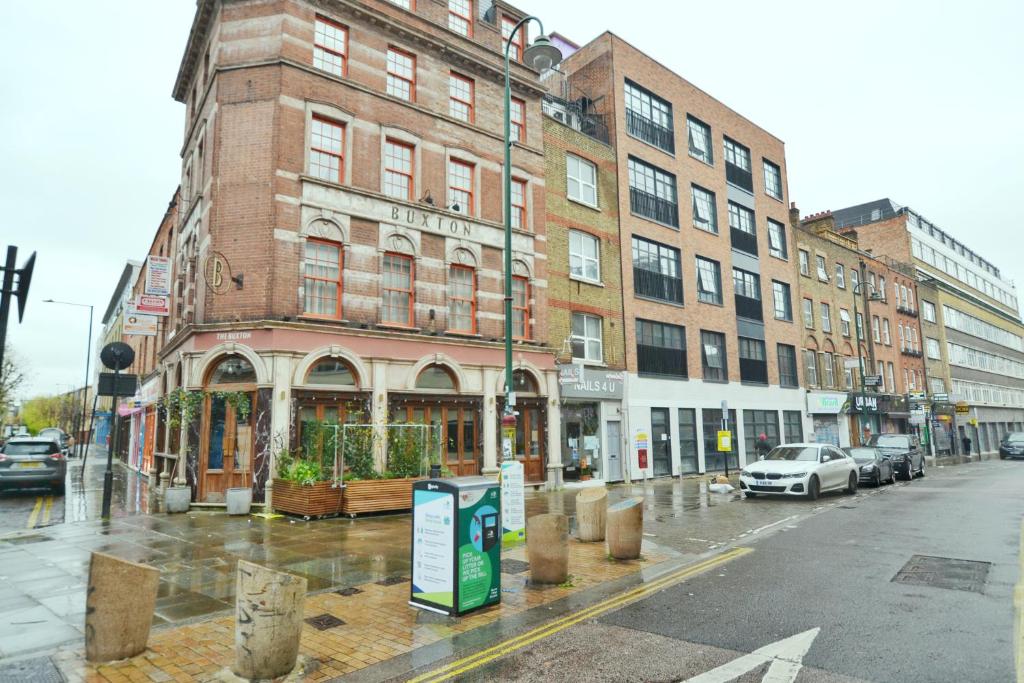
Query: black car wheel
(908, 475)
(813, 488)
(851, 486)
(892, 474)
(878, 478)
(921, 473)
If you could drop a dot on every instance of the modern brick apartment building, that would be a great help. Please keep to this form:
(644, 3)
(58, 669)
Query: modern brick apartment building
(585, 319)
(705, 246)
(977, 309)
(339, 256)
(834, 273)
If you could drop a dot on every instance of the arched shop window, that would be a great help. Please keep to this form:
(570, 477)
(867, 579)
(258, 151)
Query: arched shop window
(437, 378)
(332, 372)
(233, 370)
(524, 383)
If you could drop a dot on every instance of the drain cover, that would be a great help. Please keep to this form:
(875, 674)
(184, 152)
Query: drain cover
(944, 572)
(348, 591)
(322, 622)
(25, 540)
(514, 566)
(392, 580)
(37, 670)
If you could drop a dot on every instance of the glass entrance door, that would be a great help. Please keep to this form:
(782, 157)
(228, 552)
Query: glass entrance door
(661, 445)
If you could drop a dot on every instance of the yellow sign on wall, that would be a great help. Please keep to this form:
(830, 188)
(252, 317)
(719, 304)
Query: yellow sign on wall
(724, 441)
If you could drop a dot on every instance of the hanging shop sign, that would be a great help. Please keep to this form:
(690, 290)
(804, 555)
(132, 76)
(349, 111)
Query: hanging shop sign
(158, 276)
(152, 305)
(963, 408)
(139, 324)
(590, 383)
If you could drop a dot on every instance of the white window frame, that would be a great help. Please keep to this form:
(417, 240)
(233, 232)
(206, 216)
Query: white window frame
(587, 340)
(805, 262)
(581, 182)
(844, 322)
(840, 276)
(578, 255)
(821, 265)
(826, 318)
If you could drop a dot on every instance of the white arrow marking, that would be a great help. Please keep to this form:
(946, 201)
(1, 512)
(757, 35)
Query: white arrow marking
(786, 656)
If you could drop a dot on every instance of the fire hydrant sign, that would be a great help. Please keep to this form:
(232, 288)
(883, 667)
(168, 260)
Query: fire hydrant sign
(513, 503)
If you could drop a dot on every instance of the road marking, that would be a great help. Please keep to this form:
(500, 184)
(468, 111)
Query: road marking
(35, 512)
(509, 646)
(786, 656)
(46, 511)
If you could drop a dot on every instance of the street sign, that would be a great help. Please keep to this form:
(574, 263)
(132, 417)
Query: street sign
(917, 396)
(962, 408)
(851, 363)
(125, 386)
(872, 380)
(724, 441)
(940, 398)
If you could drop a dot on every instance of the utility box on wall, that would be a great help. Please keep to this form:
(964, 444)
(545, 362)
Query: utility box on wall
(456, 544)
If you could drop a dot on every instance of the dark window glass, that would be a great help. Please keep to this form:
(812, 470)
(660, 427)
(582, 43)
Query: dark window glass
(787, 366)
(656, 272)
(660, 348)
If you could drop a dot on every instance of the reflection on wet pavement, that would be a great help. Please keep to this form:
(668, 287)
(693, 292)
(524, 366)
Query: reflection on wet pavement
(43, 572)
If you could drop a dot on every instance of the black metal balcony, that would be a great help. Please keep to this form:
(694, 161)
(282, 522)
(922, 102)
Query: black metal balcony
(650, 206)
(739, 177)
(906, 310)
(747, 307)
(912, 353)
(753, 371)
(657, 360)
(743, 241)
(657, 286)
(650, 132)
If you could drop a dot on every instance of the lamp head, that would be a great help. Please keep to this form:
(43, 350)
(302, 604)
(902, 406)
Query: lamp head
(542, 54)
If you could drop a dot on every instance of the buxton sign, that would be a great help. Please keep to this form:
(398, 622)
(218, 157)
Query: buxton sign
(425, 220)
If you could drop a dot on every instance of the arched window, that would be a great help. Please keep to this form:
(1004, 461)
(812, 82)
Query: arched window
(436, 377)
(331, 371)
(523, 383)
(233, 370)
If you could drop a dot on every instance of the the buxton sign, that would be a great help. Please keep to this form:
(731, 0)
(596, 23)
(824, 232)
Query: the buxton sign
(426, 220)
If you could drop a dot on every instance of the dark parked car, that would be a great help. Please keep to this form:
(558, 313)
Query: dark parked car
(875, 466)
(1012, 445)
(32, 461)
(904, 450)
(60, 436)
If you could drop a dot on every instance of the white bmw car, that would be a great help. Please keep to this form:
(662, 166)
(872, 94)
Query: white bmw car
(800, 469)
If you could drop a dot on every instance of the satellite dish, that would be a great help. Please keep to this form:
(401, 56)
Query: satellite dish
(117, 355)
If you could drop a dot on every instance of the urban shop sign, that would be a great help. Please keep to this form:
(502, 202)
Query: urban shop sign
(864, 403)
(590, 383)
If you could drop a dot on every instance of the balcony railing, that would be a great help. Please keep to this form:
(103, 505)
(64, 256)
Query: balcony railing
(747, 307)
(912, 353)
(753, 371)
(743, 241)
(739, 177)
(657, 286)
(907, 310)
(650, 132)
(657, 360)
(650, 206)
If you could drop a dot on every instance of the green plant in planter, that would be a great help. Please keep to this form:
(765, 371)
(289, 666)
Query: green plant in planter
(303, 473)
(407, 451)
(358, 444)
(284, 462)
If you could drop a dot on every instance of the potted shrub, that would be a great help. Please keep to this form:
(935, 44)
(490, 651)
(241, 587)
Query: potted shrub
(366, 490)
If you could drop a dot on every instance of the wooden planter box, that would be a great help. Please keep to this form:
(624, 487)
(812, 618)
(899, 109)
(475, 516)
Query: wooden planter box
(377, 495)
(318, 500)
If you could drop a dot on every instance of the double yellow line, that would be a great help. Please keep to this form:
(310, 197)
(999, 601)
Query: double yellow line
(44, 504)
(509, 646)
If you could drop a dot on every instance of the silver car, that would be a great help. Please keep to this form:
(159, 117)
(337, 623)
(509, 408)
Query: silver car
(33, 461)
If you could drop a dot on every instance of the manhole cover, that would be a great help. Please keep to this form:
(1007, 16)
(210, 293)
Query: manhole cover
(25, 540)
(944, 572)
(348, 591)
(392, 580)
(514, 566)
(322, 622)
(37, 670)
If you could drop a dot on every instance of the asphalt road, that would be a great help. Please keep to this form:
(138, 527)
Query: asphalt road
(826, 583)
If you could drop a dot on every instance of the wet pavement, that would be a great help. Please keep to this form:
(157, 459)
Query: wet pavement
(43, 569)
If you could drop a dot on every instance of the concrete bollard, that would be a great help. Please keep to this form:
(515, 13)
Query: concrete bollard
(547, 544)
(116, 627)
(268, 621)
(591, 514)
(626, 529)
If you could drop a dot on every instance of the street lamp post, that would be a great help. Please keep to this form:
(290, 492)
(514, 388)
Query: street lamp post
(82, 446)
(540, 55)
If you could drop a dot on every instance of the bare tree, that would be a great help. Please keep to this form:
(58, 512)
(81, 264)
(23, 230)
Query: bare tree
(12, 376)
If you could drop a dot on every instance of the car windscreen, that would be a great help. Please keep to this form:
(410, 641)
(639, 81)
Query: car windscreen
(1017, 437)
(30, 448)
(804, 453)
(50, 433)
(861, 454)
(891, 441)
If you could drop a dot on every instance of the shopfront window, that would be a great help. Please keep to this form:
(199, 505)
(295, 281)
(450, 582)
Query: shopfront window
(713, 460)
(756, 423)
(581, 447)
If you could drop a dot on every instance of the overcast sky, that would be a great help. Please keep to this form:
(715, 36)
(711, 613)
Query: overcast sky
(918, 101)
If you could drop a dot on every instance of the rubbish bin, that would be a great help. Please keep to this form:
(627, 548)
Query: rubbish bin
(456, 544)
